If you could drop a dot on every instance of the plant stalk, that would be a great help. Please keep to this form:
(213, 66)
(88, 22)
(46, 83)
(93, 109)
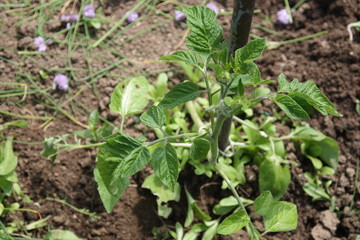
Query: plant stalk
(239, 35)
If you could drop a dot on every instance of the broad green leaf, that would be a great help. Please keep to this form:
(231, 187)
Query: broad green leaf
(252, 132)
(131, 164)
(281, 217)
(93, 119)
(165, 164)
(225, 205)
(263, 203)
(307, 94)
(58, 234)
(210, 233)
(199, 149)
(290, 107)
(316, 192)
(153, 117)
(155, 185)
(233, 223)
(205, 32)
(308, 134)
(8, 160)
(117, 147)
(130, 99)
(182, 56)
(327, 171)
(180, 94)
(250, 52)
(315, 162)
(327, 150)
(6, 185)
(274, 177)
(49, 150)
(108, 199)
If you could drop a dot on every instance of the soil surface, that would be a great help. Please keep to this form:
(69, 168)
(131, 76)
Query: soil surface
(331, 61)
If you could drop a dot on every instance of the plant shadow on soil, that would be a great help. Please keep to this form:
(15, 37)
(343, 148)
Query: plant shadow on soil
(331, 61)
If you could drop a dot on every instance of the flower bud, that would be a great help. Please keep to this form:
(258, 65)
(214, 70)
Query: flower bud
(179, 16)
(283, 17)
(213, 7)
(40, 43)
(60, 82)
(132, 16)
(89, 11)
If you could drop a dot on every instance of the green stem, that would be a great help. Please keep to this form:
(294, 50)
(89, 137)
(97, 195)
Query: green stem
(122, 123)
(231, 187)
(148, 144)
(24, 116)
(209, 95)
(193, 114)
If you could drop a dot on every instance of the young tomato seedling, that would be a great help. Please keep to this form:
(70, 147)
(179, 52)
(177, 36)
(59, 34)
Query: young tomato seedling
(121, 156)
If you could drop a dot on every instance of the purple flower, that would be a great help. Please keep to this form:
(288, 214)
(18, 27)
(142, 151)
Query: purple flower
(213, 7)
(179, 16)
(73, 17)
(40, 43)
(64, 18)
(283, 16)
(132, 16)
(60, 82)
(89, 11)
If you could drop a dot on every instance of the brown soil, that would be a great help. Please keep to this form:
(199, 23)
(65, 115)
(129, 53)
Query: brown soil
(331, 61)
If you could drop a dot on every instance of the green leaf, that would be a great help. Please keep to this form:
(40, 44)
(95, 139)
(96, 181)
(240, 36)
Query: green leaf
(93, 119)
(165, 164)
(281, 217)
(182, 56)
(233, 223)
(190, 212)
(210, 233)
(131, 164)
(290, 107)
(180, 94)
(49, 150)
(205, 32)
(199, 149)
(116, 149)
(316, 192)
(16, 123)
(8, 160)
(130, 99)
(1, 208)
(274, 177)
(250, 52)
(58, 234)
(155, 185)
(263, 203)
(327, 150)
(153, 117)
(307, 94)
(108, 199)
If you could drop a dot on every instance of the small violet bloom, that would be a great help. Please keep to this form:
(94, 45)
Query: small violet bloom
(179, 16)
(89, 11)
(283, 17)
(60, 82)
(132, 16)
(213, 7)
(40, 43)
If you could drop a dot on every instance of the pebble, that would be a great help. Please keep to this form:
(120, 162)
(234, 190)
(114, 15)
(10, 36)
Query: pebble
(350, 172)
